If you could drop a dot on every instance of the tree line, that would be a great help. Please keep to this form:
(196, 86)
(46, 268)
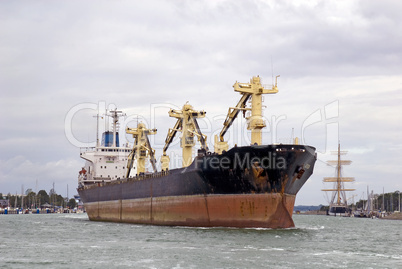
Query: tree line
(387, 201)
(36, 200)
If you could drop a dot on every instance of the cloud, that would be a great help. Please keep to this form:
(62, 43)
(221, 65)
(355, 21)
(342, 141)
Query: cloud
(57, 55)
(20, 171)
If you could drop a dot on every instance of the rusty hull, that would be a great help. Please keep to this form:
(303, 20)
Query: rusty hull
(251, 186)
(265, 210)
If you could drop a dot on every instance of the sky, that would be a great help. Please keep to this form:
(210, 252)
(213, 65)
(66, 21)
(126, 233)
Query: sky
(340, 67)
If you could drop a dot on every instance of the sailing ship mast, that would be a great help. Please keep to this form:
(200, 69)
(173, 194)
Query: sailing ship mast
(338, 202)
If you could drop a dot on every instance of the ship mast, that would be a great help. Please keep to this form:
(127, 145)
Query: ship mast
(339, 189)
(141, 149)
(186, 124)
(255, 122)
(114, 114)
(97, 129)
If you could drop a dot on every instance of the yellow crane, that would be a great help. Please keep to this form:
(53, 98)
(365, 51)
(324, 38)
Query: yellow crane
(142, 148)
(186, 124)
(255, 122)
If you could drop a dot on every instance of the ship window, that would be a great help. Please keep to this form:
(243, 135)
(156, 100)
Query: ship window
(101, 166)
(116, 167)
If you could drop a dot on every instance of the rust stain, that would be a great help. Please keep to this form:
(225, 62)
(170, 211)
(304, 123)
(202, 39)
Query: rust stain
(284, 182)
(242, 210)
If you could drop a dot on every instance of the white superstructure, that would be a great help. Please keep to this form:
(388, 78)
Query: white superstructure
(107, 161)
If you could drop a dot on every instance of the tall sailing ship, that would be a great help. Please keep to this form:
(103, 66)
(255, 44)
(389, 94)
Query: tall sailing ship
(339, 202)
(245, 186)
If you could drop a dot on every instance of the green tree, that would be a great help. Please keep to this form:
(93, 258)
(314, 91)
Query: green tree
(60, 200)
(43, 197)
(30, 200)
(324, 208)
(71, 203)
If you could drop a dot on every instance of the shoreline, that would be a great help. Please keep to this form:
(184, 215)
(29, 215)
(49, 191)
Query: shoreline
(392, 216)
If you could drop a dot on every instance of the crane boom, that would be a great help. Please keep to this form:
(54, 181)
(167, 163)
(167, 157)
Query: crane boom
(187, 124)
(151, 153)
(171, 134)
(141, 149)
(201, 137)
(255, 122)
(130, 162)
(232, 114)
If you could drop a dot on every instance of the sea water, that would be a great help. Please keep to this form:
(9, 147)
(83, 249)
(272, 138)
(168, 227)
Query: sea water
(72, 241)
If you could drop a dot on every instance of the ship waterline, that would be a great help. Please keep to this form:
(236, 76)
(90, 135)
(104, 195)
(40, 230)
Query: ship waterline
(266, 210)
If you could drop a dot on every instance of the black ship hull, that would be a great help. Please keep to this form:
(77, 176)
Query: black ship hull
(253, 186)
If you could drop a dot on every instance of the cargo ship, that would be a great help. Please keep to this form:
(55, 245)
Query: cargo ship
(246, 186)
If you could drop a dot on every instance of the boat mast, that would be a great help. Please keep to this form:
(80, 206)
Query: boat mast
(22, 196)
(339, 190)
(339, 182)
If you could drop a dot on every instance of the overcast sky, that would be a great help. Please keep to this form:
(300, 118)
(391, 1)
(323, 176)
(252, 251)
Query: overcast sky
(340, 67)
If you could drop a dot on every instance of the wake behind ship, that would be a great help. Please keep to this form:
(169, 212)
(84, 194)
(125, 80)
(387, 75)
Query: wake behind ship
(248, 186)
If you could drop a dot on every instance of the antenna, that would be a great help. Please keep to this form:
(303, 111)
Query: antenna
(106, 121)
(97, 128)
